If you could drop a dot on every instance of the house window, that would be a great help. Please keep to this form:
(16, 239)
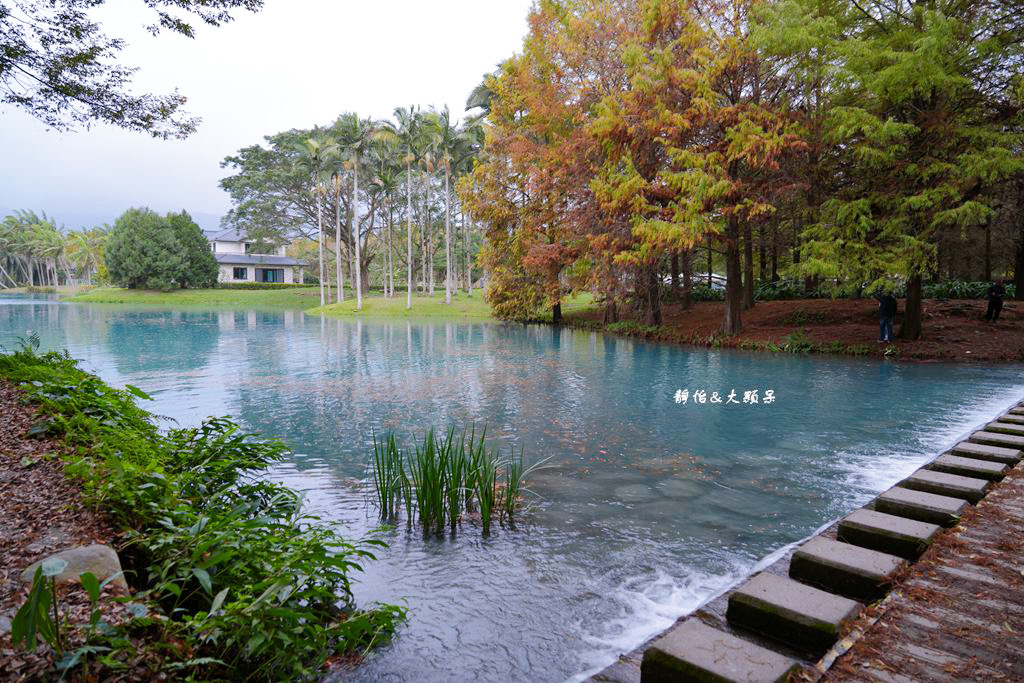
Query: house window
(270, 274)
(241, 273)
(213, 247)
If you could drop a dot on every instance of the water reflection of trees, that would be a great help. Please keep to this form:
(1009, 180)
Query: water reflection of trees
(158, 341)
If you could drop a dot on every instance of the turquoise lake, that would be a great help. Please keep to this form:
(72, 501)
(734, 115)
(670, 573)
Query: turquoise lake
(648, 507)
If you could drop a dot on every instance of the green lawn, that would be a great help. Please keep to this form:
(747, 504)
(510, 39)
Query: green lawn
(462, 306)
(375, 305)
(297, 297)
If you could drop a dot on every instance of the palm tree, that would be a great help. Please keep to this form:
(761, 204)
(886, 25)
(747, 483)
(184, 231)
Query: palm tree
(387, 181)
(315, 153)
(447, 143)
(471, 139)
(408, 135)
(357, 135)
(337, 185)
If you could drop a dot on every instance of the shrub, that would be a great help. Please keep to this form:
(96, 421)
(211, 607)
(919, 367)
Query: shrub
(147, 251)
(254, 587)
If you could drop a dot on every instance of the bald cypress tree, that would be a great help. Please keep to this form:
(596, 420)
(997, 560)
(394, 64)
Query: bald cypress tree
(920, 123)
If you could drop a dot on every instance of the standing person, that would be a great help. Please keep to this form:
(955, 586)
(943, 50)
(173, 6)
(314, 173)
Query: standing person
(995, 300)
(886, 313)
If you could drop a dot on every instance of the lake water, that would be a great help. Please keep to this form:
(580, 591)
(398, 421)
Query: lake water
(648, 508)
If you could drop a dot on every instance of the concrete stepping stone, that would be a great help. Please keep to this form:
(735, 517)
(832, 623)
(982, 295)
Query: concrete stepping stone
(694, 651)
(906, 538)
(1005, 428)
(849, 570)
(1010, 417)
(971, 489)
(807, 618)
(1019, 410)
(969, 467)
(1006, 441)
(922, 506)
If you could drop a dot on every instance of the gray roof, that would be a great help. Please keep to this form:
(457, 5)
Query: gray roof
(226, 235)
(257, 260)
(229, 235)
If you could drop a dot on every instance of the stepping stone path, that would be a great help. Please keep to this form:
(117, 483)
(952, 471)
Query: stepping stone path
(1005, 428)
(846, 569)
(1007, 441)
(872, 548)
(693, 651)
(969, 467)
(806, 618)
(952, 485)
(906, 538)
(921, 506)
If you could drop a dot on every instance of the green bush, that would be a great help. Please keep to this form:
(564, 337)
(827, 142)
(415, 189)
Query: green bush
(701, 292)
(148, 251)
(962, 289)
(254, 587)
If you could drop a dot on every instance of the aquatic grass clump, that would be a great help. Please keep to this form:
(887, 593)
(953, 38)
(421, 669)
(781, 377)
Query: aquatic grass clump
(445, 478)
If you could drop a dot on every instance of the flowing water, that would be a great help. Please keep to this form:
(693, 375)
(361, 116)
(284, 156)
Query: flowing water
(648, 508)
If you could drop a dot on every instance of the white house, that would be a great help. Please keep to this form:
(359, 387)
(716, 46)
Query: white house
(239, 263)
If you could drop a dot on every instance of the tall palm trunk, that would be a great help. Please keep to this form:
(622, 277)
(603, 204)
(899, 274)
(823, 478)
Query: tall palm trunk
(320, 241)
(447, 238)
(408, 232)
(355, 233)
(391, 255)
(339, 271)
(423, 230)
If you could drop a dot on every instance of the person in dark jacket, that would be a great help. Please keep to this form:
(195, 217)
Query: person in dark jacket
(995, 301)
(886, 313)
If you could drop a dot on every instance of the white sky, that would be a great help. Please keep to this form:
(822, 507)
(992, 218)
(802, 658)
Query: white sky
(295, 64)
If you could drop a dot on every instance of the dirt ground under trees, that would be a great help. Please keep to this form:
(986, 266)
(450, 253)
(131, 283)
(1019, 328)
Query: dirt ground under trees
(952, 329)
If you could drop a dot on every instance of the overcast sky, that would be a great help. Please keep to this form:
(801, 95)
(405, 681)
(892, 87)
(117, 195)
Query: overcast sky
(295, 64)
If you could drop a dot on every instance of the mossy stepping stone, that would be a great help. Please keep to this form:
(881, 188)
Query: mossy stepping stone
(693, 651)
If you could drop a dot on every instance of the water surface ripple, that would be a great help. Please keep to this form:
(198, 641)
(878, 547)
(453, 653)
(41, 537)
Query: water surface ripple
(649, 506)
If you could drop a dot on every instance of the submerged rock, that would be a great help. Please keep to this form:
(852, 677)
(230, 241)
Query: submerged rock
(101, 560)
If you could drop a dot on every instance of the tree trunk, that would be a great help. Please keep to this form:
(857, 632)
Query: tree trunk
(733, 281)
(556, 313)
(748, 265)
(390, 279)
(447, 238)
(320, 240)
(988, 252)
(337, 244)
(687, 279)
(762, 253)
(467, 226)
(423, 230)
(1018, 267)
(675, 273)
(775, 253)
(913, 313)
(355, 235)
(408, 233)
(653, 296)
(710, 260)
(611, 312)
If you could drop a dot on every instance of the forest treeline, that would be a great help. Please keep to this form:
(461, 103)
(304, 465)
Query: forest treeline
(633, 148)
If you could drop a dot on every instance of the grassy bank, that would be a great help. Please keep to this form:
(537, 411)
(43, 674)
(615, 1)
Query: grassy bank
(299, 297)
(233, 579)
(462, 306)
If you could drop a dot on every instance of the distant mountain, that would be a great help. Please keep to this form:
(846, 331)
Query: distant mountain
(73, 220)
